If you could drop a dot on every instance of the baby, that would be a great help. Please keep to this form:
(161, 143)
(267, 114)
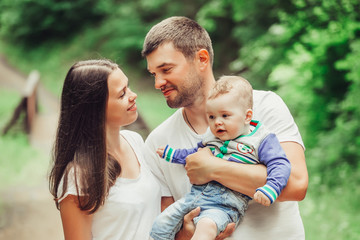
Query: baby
(234, 137)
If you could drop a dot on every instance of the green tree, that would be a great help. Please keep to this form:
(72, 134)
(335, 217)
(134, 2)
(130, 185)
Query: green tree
(306, 51)
(32, 22)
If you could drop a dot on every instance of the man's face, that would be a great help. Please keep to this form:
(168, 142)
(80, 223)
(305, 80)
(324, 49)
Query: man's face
(175, 76)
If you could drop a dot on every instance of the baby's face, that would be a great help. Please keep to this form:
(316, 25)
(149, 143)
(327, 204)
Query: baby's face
(226, 116)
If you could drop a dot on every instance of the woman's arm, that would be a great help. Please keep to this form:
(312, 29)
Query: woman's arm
(76, 223)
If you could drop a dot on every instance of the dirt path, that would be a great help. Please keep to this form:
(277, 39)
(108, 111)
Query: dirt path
(29, 211)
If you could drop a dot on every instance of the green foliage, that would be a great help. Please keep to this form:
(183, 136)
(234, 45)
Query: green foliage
(323, 81)
(329, 211)
(307, 51)
(35, 21)
(239, 30)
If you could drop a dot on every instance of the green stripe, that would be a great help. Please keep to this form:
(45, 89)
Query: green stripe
(253, 132)
(242, 159)
(168, 155)
(270, 191)
(220, 155)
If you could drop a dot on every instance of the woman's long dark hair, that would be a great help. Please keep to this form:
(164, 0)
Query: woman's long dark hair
(81, 137)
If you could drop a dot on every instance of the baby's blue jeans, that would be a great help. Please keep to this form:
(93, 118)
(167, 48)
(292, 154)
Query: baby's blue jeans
(217, 202)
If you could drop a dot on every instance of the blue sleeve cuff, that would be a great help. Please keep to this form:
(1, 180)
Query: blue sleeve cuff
(270, 192)
(168, 153)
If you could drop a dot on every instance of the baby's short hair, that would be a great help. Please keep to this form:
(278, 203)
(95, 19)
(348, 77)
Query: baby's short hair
(236, 84)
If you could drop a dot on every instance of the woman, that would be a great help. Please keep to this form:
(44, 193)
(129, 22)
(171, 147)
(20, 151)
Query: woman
(99, 179)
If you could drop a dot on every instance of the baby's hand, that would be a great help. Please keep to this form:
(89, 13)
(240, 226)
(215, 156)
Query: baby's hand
(261, 198)
(160, 151)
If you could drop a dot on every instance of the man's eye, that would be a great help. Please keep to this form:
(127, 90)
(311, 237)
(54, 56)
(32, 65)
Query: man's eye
(165, 70)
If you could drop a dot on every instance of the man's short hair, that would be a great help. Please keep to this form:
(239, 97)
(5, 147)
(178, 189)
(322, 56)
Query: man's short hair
(185, 34)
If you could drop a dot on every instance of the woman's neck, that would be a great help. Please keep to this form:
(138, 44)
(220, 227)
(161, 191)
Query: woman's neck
(113, 140)
(121, 150)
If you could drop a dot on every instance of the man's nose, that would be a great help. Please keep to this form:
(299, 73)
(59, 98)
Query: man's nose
(159, 82)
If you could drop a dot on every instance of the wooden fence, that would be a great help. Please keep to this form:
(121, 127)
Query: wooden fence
(28, 104)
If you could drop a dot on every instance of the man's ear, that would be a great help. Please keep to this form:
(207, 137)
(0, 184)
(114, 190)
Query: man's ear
(203, 57)
(248, 116)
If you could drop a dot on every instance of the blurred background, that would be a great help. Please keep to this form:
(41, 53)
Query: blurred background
(307, 51)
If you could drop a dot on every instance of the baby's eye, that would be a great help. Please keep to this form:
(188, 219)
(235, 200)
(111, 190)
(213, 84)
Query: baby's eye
(211, 117)
(225, 115)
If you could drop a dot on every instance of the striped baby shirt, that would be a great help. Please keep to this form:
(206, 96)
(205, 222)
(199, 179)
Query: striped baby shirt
(258, 147)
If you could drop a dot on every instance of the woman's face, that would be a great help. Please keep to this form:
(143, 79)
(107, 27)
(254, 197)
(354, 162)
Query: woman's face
(121, 107)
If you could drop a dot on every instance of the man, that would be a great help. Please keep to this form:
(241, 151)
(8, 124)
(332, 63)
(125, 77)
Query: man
(180, 56)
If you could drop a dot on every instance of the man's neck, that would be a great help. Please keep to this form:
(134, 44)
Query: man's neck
(195, 114)
(196, 118)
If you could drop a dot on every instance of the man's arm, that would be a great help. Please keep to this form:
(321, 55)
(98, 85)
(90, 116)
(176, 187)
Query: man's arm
(203, 167)
(165, 202)
(297, 185)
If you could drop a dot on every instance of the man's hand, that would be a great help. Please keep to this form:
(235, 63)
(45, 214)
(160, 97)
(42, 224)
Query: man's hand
(261, 198)
(230, 228)
(199, 166)
(188, 229)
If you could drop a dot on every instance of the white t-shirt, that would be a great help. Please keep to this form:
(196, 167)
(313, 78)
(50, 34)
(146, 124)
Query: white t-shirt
(132, 204)
(279, 221)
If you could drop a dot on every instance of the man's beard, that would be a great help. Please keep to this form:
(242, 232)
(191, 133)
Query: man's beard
(188, 92)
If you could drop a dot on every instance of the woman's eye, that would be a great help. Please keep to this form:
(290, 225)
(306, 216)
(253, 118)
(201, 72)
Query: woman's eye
(122, 94)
